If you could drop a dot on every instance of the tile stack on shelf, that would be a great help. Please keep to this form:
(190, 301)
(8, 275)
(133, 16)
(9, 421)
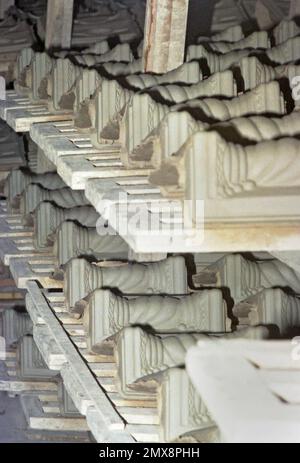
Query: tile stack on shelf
(114, 312)
(17, 32)
(48, 409)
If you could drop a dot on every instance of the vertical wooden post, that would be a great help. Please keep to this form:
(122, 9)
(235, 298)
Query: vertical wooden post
(59, 23)
(165, 33)
(4, 6)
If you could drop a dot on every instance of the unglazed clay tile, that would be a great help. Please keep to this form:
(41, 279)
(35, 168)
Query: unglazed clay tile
(178, 417)
(166, 277)
(141, 354)
(215, 61)
(243, 129)
(270, 307)
(273, 177)
(66, 404)
(255, 40)
(107, 313)
(262, 128)
(139, 141)
(16, 324)
(98, 48)
(219, 84)
(123, 69)
(64, 197)
(88, 59)
(73, 240)
(265, 98)
(41, 67)
(18, 180)
(187, 73)
(48, 217)
(109, 103)
(286, 52)
(31, 364)
(285, 30)
(12, 154)
(133, 134)
(246, 278)
(43, 164)
(22, 82)
(86, 84)
(254, 73)
(62, 78)
(231, 34)
(282, 54)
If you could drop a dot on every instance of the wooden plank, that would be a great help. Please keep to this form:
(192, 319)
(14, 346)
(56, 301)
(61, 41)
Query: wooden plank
(10, 354)
(76, 170)
(58, 423)
(161, 229)
(52, 355)
(47, 397)
(144, 433)
(12, 101)
(37, 418)
(147, 416)
(12, 295)
(51, 407)
(102, 417)
(17, 386)
(20, 120)
(94, 358)
(24, 270)
(165, 33)
(104, 370)
(59, 24)
(120, 401)
(76, 158)
(63, 139)
(160, 237)
(11, 226)
(39, 133)
(17, 248)
(10, 364)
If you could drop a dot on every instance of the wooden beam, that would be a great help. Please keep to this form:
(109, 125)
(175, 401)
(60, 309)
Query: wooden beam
(165, 33)
(59, 24)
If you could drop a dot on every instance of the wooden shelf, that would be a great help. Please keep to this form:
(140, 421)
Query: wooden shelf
(20, 113)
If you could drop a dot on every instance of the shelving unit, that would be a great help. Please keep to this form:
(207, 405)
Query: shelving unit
(125, 147)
